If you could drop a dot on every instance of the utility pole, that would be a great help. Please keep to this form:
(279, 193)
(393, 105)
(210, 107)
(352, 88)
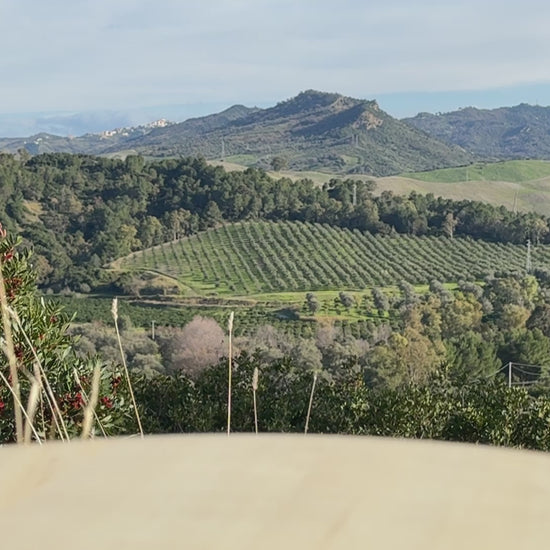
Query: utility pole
(528, 260)
(230, 354)
(510, 374)
(152, 330)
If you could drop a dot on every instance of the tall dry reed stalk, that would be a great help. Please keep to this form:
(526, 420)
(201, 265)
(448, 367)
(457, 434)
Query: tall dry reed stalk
(114, 311)
(12, 361)
(230, 331)
(254, 390)
(57, 416)
(32, 405)
(315, 374)
(19, 406)
(87, 400)
(89, 411)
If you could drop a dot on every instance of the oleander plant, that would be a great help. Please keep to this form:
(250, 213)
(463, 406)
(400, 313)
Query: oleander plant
(45, 386)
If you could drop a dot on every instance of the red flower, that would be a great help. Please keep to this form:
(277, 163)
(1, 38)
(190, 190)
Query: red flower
(107, 402)
(19, 352)
(8, 255)
(77, 401)
(115, 382)
(2, 406)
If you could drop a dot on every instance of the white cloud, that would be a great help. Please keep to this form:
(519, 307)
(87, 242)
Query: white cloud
(75, 54)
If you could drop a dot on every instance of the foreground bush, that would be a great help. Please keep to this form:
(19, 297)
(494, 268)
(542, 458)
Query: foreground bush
(51, 383)
(483, 411)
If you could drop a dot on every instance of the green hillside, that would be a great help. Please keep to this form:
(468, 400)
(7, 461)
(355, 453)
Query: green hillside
(519, 132)
(268, 257)
(515, 171)
(523, 185)
(312, 131)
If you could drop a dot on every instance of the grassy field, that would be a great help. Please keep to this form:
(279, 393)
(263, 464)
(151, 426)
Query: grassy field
(259, 258)
(518, 184)
(513, 171)
(529, 196)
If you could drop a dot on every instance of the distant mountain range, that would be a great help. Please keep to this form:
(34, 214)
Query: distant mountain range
(93, 144)
(324, 131)
(518, 132)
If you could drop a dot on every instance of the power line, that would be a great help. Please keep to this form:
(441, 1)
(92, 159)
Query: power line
(512, 368)
(496, 372)
(529, 365)
(517, 369)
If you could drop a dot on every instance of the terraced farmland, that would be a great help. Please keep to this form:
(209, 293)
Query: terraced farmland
(263, 257)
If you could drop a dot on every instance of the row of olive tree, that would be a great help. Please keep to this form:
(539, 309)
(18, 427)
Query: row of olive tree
(80, 212)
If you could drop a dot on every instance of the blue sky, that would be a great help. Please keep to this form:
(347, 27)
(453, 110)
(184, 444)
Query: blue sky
(146, 58)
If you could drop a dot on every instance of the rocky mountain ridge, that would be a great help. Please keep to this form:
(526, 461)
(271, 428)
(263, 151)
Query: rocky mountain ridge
(323, 131)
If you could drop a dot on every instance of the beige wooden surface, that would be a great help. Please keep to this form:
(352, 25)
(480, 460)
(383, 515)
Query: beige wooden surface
(272, 492)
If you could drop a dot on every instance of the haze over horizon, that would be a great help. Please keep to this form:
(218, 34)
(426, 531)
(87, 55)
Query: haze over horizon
(76, 66)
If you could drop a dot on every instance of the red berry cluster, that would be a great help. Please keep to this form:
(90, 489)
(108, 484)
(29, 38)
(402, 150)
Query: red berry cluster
(115, 383)
(107, 402)
(76, 401)
(13, 284)
(7, 256)
(19, 351)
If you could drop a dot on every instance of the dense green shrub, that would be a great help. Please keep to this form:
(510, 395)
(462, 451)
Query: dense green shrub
(481, 411)
(41, 342)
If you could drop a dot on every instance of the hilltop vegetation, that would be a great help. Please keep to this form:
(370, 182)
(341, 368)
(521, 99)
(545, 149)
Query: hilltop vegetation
(80, 212)
(521, 185)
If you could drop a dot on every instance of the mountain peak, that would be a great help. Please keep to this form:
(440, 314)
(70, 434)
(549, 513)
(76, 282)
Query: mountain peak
(314, 130)
(317, 96)
(309, 100)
